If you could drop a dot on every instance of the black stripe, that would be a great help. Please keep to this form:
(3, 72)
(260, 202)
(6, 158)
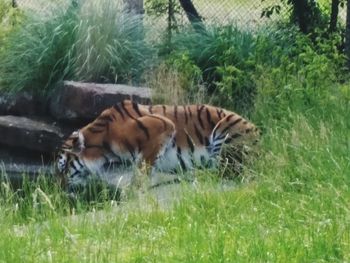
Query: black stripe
(105, 118)
(217, 146)
(158, 118)
(231, 125)
(94, 130)
(186, 117)
(135, 106)
(219, 111)
(130, 148)
(106, 159)
(189, 110)
(236, 135)
(73, 165)
(217, 127)
(206, 140)
(229, 117)
(150, 109)
(126, 111)
(228, 140)
(175, 112)
(100, 124)
(142, 127)
(198, 134)
(116, 107)
(211, 123)
(75, 173)
(189, 142)
(174, 142)
(139, 143)
(182, 163)
(81, 165)
(199, 111)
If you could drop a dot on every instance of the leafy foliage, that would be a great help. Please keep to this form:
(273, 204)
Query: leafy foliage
(10, 18)
(90, 41)
(223, 55)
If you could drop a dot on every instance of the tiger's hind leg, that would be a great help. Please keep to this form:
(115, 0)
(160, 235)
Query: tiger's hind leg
(159, 132)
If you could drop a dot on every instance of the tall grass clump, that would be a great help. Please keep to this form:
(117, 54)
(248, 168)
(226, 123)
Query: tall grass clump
(294, 72)
(40, 52)
(89, 41)
(110, 44)
(222, 55)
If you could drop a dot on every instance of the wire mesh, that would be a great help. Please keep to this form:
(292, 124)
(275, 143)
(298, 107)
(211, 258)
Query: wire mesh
(243, 13)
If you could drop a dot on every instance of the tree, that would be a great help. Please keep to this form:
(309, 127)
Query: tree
(192, 14)
(347, 33)
(334, 16)
(300, 11)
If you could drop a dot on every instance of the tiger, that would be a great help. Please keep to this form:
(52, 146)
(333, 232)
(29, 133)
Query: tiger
(167, 138)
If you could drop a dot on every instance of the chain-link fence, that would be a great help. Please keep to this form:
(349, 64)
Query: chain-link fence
(244, 13)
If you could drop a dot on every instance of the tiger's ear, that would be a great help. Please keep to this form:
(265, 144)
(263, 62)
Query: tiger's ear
(78, 142)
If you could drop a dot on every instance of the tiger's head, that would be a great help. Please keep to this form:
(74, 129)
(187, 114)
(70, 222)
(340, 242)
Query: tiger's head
(70, 166)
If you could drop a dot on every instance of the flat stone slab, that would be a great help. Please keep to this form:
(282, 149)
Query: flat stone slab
(73, 101)
(29, 134)
(21, 103)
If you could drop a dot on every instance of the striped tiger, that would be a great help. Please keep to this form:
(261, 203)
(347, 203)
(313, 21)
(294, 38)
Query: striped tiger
(166, 137)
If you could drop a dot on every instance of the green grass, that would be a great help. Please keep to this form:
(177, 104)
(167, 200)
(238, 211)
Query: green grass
(295, 210)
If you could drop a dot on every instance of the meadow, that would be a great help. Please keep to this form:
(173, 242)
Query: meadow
(291, 202)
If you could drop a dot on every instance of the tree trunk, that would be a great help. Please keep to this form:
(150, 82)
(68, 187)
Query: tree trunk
(334, 16)
(192, 14)
(347, 33)
(300, 7)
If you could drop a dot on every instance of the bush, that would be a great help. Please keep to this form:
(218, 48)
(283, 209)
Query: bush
(10, 18)
(110, 44)
(223, 55)
(277, 63)
(294, 72)
(93, 41)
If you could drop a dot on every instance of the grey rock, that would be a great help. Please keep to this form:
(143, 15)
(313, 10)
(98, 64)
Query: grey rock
(73, 101)
(21, 103)
(29, 134)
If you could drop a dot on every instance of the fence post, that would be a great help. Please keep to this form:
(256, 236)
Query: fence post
(347, 33)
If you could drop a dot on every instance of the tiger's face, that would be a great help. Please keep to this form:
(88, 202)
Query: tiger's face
(69, 165)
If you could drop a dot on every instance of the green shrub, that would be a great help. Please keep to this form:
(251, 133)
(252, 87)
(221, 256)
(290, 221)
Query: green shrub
(223, 54)
(294, 72)
(10, 18)
(92, 41)
(110, 44)
(40, 52)
(279, 63)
